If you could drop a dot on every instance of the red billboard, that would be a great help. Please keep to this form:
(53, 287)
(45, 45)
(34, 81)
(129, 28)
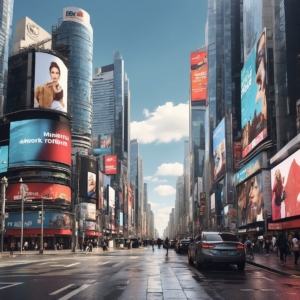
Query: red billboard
(47, 191)
(198, 76)
(111, 164)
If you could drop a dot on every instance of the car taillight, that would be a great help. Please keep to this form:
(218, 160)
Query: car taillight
(240, 247)
(203, 245)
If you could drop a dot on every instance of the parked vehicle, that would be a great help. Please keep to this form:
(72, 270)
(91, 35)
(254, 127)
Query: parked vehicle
(120, 242)
(135, 243)
(217, 248)
(183, 245)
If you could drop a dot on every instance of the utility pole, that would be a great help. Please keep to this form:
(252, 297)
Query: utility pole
(22, 217)
(3, 188)
(42, 229)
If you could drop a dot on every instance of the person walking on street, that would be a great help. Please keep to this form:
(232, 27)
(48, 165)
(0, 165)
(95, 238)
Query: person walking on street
(167, 244)
(283, 246)
(11, 249)
(260, 245)
(296, 248)
(267, 245)
(153, 244)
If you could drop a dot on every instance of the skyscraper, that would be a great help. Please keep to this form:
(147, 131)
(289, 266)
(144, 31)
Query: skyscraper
(6, 15)
(73, 37)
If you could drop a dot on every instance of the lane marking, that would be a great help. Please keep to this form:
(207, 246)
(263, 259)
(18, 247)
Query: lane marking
(62, 289)
(246, 290)
(267, 290)
(10, 284)
(68, 296)
(133, 256)
(268, 279)
(103, 263)
(56, 265)
(71, 265)
(116, 265)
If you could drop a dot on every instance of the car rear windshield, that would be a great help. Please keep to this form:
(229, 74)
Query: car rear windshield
(221, 237)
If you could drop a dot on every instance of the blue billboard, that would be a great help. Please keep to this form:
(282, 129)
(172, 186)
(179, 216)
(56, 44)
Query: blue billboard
(219, 150)
(3, 158)
(31, 220)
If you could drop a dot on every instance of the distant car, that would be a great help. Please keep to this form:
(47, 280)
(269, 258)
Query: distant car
(183, 245)
(217, 248)
(135, 243)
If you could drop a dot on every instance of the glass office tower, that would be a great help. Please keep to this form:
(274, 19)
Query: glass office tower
(74, 39)
(6, 15)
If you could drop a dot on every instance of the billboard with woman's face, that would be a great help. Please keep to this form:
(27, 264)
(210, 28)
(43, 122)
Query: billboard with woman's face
(253, 97)
(254, 198)
(286, 188)
(219, 150)
(50, 82)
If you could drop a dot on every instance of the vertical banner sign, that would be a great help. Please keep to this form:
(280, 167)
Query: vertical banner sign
(198, 76)
(111, 164)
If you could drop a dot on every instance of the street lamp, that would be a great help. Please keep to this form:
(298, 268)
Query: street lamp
(3, 189)
(42, 229)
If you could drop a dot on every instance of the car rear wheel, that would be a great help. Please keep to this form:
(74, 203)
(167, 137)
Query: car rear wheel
(241, 266)
(198, 265)
(191, 261)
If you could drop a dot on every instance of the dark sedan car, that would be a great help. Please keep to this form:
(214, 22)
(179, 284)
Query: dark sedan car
(217, 248)
(183, 245)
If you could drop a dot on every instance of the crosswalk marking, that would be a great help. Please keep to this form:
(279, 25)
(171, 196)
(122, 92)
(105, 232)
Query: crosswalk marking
(103, 263)
(133, 257)
(62, 289)
(71, 265)
(68, 296)
(10, 284)
(56, 265)
(118, 264)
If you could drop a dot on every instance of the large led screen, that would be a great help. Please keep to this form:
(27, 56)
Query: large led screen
(111, 164)
(286, 188)
(3, 158)
(198, 76)
(88, 211)
(50, 82)
(47, 191)
(102, 144)
(254, 198)
(213, 204)
(111, 197)
(88, 178)
(39, 139)
(219, 150)
(253, 97)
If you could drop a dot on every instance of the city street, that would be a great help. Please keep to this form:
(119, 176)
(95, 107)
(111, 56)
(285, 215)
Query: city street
(134, 274)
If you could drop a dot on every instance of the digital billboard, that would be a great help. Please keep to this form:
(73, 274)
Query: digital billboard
(237, 154)
(111, 196)
(254, 198)
(121, 203)
(219, 150)
(106, 183)
(88, 178)
(87, 211)
(121, 222)
(50, 82)
(39, 139)
(198, 76)
(100, 187)
(3, 159)
(213, 204)
(87, 225)
(102, 144)
(31, 220)
(286, 188)
(129, 204)
(253, 97)
(76, 14)
(111, 164)
(47, 191)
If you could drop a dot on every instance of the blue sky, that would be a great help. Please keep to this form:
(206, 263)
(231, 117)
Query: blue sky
(155, 38)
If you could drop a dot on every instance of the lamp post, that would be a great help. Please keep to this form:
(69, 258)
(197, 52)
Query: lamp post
(42, 229)
(3, 189)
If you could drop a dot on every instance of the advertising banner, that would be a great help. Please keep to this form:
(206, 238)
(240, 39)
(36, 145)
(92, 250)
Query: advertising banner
(121, 203)
(213, 204)
(111, 164)
(254, 198)
(198, 76)
(106, 183)
(102, 144)
(253, 97)
(129, 204)
(100, 191)
(3, 159)
(31, 220)
(78, 15)
(39, 139)
(47, 191)
(88, 178)
(88, 211)
(87, 225)
(50, 82)
(219, 150)
(111, 196)
(286, 188)
(237, 154)
(121, 224)
(255, 164)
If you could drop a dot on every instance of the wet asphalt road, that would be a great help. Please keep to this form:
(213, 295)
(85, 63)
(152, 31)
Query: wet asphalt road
(135, 274)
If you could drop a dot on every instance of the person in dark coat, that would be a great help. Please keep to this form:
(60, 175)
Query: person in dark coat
(283, 247)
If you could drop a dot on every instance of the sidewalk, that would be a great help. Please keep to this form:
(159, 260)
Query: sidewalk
(273, 264)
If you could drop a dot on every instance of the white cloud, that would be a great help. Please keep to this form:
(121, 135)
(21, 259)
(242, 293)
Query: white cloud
(153, 204)
(165, 124)
(147, 177)
(165, 190)
(172, 169)
(159, 180)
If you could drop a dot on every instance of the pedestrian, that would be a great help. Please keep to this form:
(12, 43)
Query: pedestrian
(283, 246)
(91, 247)
(167, 244)
(153, 244)
(11, 249)
(19, 246)
(267, 245)
(260, 245)
(296, 248)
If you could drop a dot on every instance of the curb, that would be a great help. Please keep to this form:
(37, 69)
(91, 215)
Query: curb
(268, 269)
